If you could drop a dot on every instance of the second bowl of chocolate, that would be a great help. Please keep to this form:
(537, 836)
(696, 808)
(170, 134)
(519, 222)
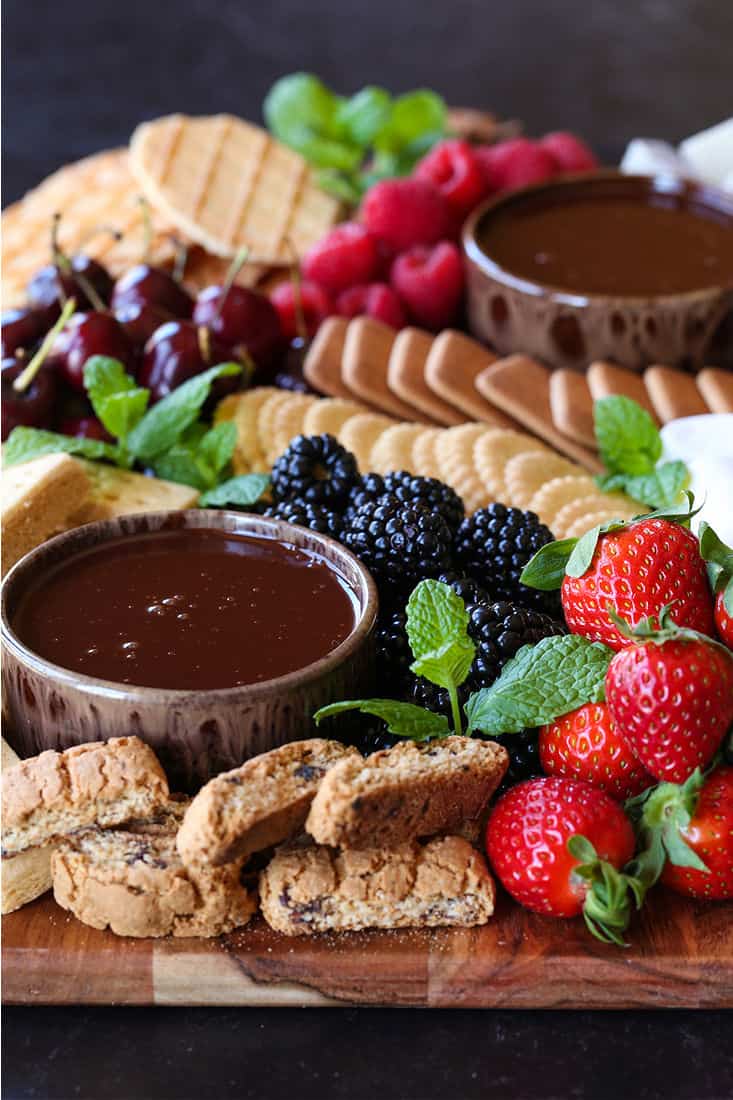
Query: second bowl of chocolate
(634, 269)
(214, 636)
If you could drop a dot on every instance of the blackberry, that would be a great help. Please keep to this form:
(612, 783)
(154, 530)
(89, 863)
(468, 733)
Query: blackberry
(304, 514)
(393, 654)
(524, 757)
(400, 543)
(494, 545)
(499, 630)
(315, 469)
(465, 587)
(409, 489)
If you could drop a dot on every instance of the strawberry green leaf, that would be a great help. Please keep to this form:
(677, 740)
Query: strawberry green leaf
(403, 719)
(541, 683)
(607, 906)
(581, 557)
(547, 568)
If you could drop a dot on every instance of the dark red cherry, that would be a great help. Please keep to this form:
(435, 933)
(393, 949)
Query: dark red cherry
(140, 320)
(21, 329)
(32, 407)
(85, 335)
(152, 286)
(242, 319)
(85, 427)
(176, 352)
(53, 284)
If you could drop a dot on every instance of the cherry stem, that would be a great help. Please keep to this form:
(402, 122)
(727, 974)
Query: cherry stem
(90, 292)
(235, 267)
(297, 284)
(203, 334)
(147, 228)
(25, 378)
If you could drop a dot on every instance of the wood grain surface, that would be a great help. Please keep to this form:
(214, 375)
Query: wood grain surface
(680, 955)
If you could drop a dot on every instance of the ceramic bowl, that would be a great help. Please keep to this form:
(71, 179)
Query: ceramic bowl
(196, 734)
(571, 329)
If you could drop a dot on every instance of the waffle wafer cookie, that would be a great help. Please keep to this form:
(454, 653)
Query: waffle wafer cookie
(97, 191)
(451, 368)
(406, 377)
(322, 363)
(673, 393)
(572, 406)
(359, 433)
(365, 363)
(229, 185)
(716, 387)
(520, 386)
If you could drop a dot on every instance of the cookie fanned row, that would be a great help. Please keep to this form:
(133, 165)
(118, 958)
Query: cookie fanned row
(315, 889)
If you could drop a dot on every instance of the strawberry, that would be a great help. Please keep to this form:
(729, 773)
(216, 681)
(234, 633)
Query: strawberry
(720, 571)
(585, 744)
(723, 620)
(687, 834)
(636, 570)
(671, 696)
(557, 846)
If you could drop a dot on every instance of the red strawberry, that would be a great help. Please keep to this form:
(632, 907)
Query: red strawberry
(430, 283)
(723, 620)
(636, 571)
(585, 744)
(720, 571)
(671, 696)
(557, 846)
(347, 255)
(406, 212)
(569, 152)
(453, 168)
(686, 834)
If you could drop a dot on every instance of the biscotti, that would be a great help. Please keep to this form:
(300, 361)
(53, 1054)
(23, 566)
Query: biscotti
(315, 889)
(132, 881)
(406, 792)
(100, 783)
(258, 805)
(27, 875)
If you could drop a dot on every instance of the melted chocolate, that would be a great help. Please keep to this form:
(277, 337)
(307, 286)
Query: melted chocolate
(628, 245)
(187, 609)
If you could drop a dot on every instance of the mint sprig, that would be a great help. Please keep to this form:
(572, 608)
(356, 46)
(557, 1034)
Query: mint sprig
(24, 444)
(402, 719)
(630, 447)
(238, 492)
(353, 142)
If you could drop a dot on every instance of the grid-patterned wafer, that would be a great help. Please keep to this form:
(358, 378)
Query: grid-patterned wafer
(572, 406)
(97, 191)
(608, 380)
(673, 393)
(365, 363)
(716, 387)
(322, 363)
(229, 185)
(406, 377)
(521, 387)
(451, 368)
(359, 434)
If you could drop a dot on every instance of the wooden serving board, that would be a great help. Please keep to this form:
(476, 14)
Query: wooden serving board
(681, 955)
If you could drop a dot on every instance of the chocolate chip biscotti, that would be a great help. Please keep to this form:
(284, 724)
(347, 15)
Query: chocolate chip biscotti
(100, 783)
(315, 889)
(408, 791)
(258, 805)
(132, 881)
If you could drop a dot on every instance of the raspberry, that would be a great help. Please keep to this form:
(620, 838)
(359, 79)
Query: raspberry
(516, 163)
(347, 255)
(430, 283)
(405, 212)
(452, 167)
(314, 302)
(375, 300)
(569, 152)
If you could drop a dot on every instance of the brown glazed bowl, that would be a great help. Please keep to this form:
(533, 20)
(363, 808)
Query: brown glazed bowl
(569, 329)
(196, 734)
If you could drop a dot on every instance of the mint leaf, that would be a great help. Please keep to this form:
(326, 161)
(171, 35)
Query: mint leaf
(165, 422)
(180, 464)
(23, 444)
(239, 491)
(297, 101)
(117, 401)
(413, 115)
(662, 488)
(363, 115)
(547, 568)
(437, 630)
(403, 719)
(541, 683)
(628, 439)
(216, 447)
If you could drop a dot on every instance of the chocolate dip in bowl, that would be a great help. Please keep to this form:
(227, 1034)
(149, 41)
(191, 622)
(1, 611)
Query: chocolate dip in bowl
(633, 269)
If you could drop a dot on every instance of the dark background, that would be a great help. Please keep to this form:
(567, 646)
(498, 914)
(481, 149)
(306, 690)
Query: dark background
(78, 76)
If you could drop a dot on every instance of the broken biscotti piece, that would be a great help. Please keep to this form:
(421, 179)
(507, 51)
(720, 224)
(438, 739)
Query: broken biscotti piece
(315, 889)
(27, 875)
(406, 792)
(39, 499)
(101, 783)
(258, 805)
(132, 881)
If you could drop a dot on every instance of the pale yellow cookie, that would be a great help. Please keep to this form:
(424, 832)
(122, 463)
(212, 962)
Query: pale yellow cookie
(454, 452)
(556, 493)
(393, 448)
(287, 422)
(359, 434)
(244, 409)
(612, 505)
(269, 409)
(527, 471)
(329, 415)
(424, 458)
(492, 452)
(584, 523)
